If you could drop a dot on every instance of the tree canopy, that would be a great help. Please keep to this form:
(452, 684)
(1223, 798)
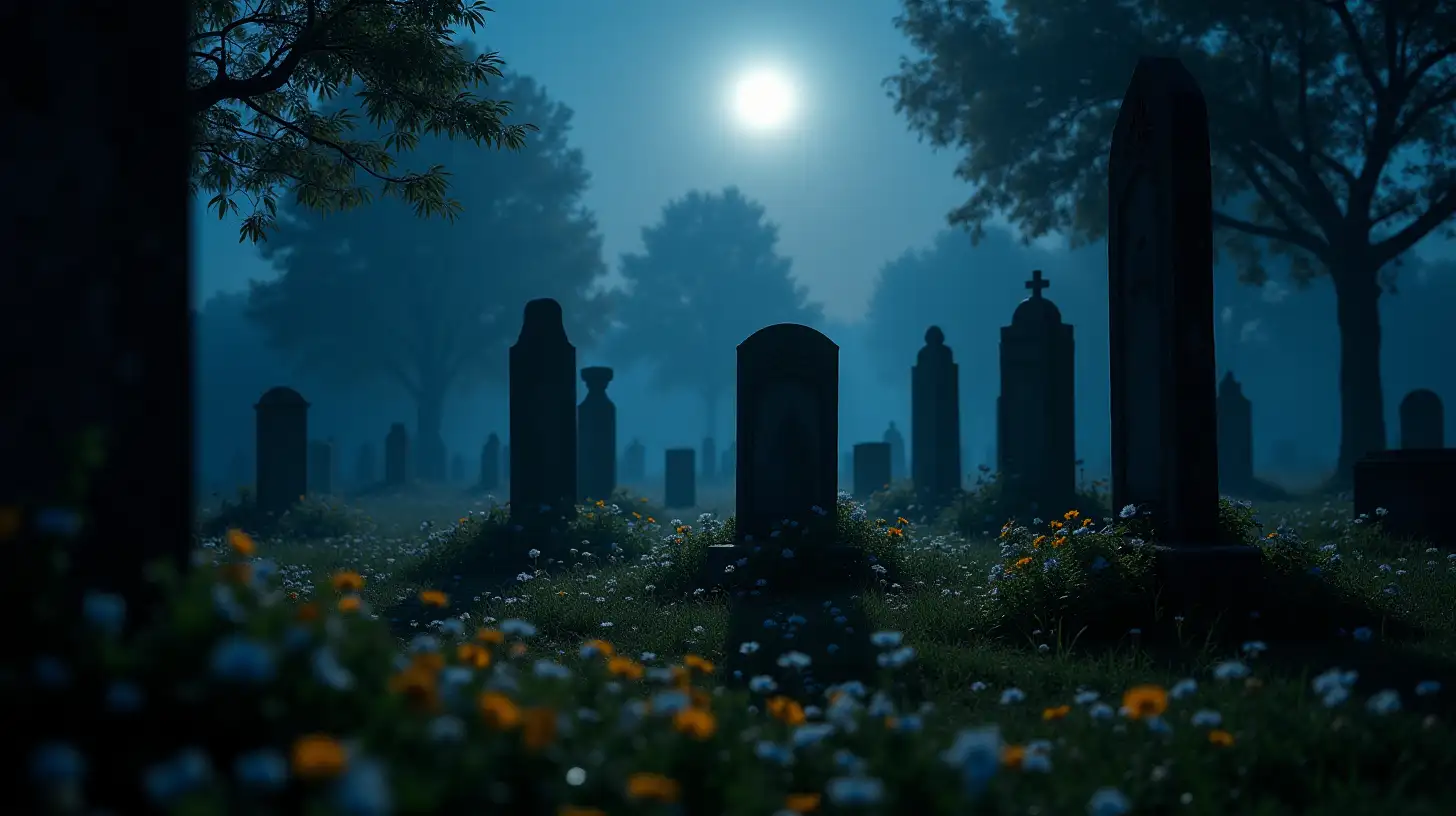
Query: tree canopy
(259, 72)
(374, 294)
(709, 276)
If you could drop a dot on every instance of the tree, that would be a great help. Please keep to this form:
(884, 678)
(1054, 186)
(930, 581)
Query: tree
(709, 276)
(256, 70)
(1333, 128)
(374, 294)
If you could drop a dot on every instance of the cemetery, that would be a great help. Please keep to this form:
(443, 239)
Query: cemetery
(790, 620)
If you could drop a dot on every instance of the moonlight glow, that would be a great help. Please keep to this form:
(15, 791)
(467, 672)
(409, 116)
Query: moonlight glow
(763, 100)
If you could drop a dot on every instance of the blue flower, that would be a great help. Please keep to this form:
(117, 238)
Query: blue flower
(1012, 695)
(177, 777)
(887, 640)
(56, 764)
(773, 752)
(363, 790)
(518, 628)
(59, 521)
(105, 611)
(242, 660)
(51, 673)
(328, 671)
(1384, 702)
(976, 753)
(123, 698)
(855, 790)
(262, 770)
(1108, 802)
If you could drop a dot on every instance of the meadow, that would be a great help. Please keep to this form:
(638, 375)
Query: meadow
(417, 654)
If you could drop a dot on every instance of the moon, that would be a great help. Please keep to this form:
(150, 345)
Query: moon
(763, 100)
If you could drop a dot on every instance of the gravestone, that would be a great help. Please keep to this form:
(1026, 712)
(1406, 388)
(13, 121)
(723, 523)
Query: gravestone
(490, 462)
(710, 460)
(935, 421)
(320, 468)
(282, 449)
(634, 464)
(897, 451)
(680, 487)
(366, 467)
(1036, 433)
(596, 423)
(543, 417)
(728, 461)
(396, 456)
(871, 468)
(1422, 421)
(1160, 280)
(788, 430)
(1235, 437)
(457, 469)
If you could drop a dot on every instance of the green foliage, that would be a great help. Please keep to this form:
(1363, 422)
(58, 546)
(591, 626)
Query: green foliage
(255, 70)
(313, 517)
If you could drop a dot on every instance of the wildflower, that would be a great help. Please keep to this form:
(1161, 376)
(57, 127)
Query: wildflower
(1426, 688)
(977, 754)
(1012, 695)
(242, 660)
(802, 802)
(896, 658)
(1100, 711)
(887, 640)
(1183, 688)
(796, 660)
(261, 770)
(1109, 801)
(241, 543)
(364, 790)
(318, 756)
(328, 671)
(1384, 702)
(762, 684)
(1012, 756)
(855, 790)
(538, 727)
(1206, 718)
(350, 603)
(1230, 670)
(695, 722)
(418, 684)
(1145, 701)
(1221, 738)
(653, 787)
(550, 669)
(1023, 561)
(517, 628)
(698, 664)
(594, 648)
(490, 636)
(57, 764)
(104, 611)
(347, 581)
(1056, 712)
(473, 655)
(434, 597)
(786, 710)
(498, 710)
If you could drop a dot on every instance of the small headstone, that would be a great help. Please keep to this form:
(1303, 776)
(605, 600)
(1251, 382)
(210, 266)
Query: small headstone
(1422, 421)
(897, 451)
(457, 469)
(680, 488)
(490, 463)
(366, 467)
(320, 468)
(871, 468)
(728, 461)
(282, 453)
(396, 456)
(1235, 437)
(596, 423)
(788, 430)
(634, 464)
(710, 460)
(543, 417)
(935, 421)
(1036, 450)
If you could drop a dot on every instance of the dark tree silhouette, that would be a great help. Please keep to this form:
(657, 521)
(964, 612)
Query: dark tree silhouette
(255, 68)
(432, 305)
(1336, 119)
(709, 276)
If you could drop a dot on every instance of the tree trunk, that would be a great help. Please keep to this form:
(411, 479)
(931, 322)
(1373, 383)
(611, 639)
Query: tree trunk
(429, 444)
(1362, 399)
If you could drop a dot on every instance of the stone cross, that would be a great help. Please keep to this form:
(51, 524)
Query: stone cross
(871, 468)
(282, 455)
(788, 430)
(1036, 424)
(935, 421)
(490, 462)
(1422, 421)
(396, 456)
(543, 417)
(320, 468)
(634, 464)
(1235, 437)
(680, 488)
(596, 423)
(1160, 279)
(897, 451)
(365, 467)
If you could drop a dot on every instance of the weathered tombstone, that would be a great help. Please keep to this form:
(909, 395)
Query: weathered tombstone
(1235, 437)
(1160, 279)
(897, 451)
(728, 461)
(490, 463)
(282, 449)
(1422, 421)
(396, 456)
(596, 423)
(710, 460)
(1036, 450)
(871, 468)
(935, 421)
(634, 464)
(788, 430)
(543, 417)
(457, 469)
(680, 487)
(366, 467)
(320, 468)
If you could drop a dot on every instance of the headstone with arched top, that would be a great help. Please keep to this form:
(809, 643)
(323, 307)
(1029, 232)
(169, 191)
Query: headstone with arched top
(282, 449)
(1036, 438)
(935, 421)
(1422, 421)
(543, 373)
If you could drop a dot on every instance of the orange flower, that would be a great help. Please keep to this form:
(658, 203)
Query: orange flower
(625, 667)
(473, 655)
(498, 710)
(350, 603)
(1056, 712)
(429, 662)
(695, 722)
(681, 676)
(241, 542)
(577, 810)
(1056, 525)
(1221, 738)
(1036, 542)
(1022, 561)
(434, 597)
(802, 802)
(347, 581)
(786, 710)
(308, 612)
(1146, 701)
(599, 646)
(1059, 541)
(1012, 756)
(490, 636)
(895, 532)
(904, 522)
(538, 728)
(416, 685)
(653, 787)
(318, 756)
(692, 661)
(1071, 514)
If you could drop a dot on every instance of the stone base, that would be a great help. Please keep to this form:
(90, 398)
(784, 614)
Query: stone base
(1213, 580)
(1414, 486)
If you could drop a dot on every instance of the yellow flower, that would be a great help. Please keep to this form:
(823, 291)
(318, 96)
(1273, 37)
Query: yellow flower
(903, 521)
(695, 722)
(1145, 701)
(1012, 756)
(643, 500)
(416, 685)
(653, 787)
(318, 756)
(492, 636)
(347, 581)
(241, 542)
(894, 532)
(1036, 542)
(1057, 525)
(577, 810)
(350, 603)
(683, 528)
(636, 515)
(802, 802)
(434, 597)
(1221, 738)
(692, 661)
(474, 655)
(681, 676)
(1059, 541)
(498, 710)
(650, 519)
(1071, 514)
(1056, 712)
(786, 710)
(601, 647)
(1086, 522)
(538, 728)
(308, 612)
(625, 667)
(601, 503)
(1022, 561)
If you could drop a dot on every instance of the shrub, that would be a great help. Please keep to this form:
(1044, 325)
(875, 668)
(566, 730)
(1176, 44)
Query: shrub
(312, 517)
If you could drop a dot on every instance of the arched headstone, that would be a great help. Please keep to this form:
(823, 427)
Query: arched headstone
(282, 449)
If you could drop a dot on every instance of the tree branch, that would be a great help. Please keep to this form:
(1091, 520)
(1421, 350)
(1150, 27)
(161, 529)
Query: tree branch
(330, 144)
(1360, 47)
(1440, 211)
(1300, 238)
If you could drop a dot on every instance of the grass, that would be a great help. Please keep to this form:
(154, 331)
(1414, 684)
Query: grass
(606, 671)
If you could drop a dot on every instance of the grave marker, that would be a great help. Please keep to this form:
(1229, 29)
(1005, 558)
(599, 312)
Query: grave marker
(596, 422)
(1422, 421)
(871, 468)
(935, 421)
(1036, 433)
(680, 487)
(543, 416)
(897, 451)
(1414, 484)
(282, 449)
